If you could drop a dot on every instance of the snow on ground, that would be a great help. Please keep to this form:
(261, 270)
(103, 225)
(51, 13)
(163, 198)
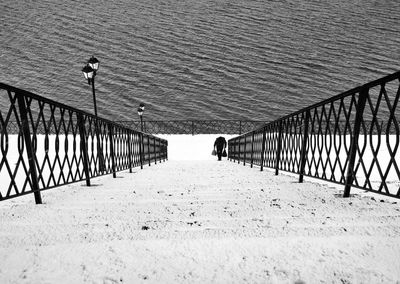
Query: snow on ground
(190, 148)
(200, 221)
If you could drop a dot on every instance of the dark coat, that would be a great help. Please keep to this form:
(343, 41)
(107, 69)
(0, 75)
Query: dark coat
(220, 143)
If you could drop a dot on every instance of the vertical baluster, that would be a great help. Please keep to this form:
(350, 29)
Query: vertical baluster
(263, 148)
(279, 148)
(155, 151)
(84, 151)
(159, 149)
(303, 153)
(233, 150)
(252, 150)
(362, 98)
(111, 134)
(166, 150)
(29, 148)
(148, 149)
(128, 131)
(141, 149)
(239, 149)
(244, 151)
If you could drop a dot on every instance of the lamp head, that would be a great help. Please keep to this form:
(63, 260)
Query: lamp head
(94, 63)
(88, 72)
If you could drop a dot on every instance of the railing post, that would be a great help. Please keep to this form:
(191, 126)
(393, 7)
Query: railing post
(354, 143)
(244, 151)
(166, 150)
(100, 157)
(229, 148)
(129, 150)
(279, 148)
(84, 152)
(231, 151)
(159, 149)
(303, 153)
(263, 149)
(252, 150)
(141, 149)
(155, 152)
(29, 148)
(148, 150)
(239, 150)
(240, 127)
(162, 145)
(111, 134)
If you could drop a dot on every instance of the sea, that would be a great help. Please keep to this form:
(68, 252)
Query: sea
(197, 59)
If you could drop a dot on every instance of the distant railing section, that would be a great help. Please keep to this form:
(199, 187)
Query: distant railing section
(194, 127)
(191, 127)
(45, 144)
(351, 139)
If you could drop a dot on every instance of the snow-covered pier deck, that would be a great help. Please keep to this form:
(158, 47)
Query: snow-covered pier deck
(200, 221)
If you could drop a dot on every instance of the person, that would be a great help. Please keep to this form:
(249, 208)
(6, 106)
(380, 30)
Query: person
(219, 146)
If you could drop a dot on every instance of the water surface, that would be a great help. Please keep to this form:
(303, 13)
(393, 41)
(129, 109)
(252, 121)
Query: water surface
(197, 59)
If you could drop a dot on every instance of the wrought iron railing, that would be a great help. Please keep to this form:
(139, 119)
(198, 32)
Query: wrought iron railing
(351, 139)
(53, 144)
(191, 127)
(194, 127)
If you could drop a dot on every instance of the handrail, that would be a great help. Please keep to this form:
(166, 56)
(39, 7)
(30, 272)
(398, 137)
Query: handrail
(55, 144)
(369, 85)
(351, 139)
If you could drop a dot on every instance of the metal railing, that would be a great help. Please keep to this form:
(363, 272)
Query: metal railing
(55, 145)
(191, 127)
(351, 139)
(194, 127)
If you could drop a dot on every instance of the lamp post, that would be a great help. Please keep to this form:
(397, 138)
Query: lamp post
(140, 113)
(89, 72)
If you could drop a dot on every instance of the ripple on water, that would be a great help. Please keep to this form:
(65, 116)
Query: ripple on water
(198, 59)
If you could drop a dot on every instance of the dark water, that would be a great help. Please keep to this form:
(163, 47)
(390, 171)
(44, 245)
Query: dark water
(198, 59)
